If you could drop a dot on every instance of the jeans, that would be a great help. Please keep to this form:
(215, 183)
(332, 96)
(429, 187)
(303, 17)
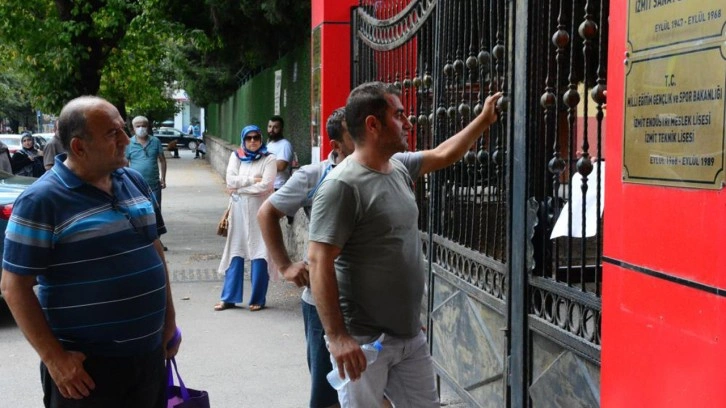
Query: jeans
(233, 282)
(404, 371)
(322, 395)
(157, 195)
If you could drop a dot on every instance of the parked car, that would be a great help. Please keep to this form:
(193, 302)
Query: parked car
(10, 188)
(14, 141)
(42, 139)
(167, 134)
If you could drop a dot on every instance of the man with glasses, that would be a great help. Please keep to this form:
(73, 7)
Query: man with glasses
(88, 232)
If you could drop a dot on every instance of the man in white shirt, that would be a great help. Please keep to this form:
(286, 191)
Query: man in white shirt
(281, 148)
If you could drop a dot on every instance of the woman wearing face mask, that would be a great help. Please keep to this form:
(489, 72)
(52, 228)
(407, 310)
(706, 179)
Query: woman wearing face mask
(250, 175)
(28, 161)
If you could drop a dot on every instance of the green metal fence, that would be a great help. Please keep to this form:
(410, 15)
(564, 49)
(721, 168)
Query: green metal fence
(254, 102)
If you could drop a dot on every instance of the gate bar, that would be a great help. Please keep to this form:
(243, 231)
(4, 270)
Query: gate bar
(518, 334)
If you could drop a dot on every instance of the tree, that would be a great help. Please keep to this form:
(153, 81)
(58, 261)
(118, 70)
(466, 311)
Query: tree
(228, 40)
(14, 99)
(135, 53)
(96, 47)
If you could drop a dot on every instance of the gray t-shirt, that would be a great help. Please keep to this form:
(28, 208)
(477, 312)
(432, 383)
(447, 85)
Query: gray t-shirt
(373, 218)
(297, 193)
(52, 149)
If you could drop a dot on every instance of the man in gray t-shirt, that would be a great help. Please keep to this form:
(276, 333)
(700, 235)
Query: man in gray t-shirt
(366, 261)
(52, 149)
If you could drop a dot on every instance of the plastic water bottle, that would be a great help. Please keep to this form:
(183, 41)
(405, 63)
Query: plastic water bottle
(370, 350)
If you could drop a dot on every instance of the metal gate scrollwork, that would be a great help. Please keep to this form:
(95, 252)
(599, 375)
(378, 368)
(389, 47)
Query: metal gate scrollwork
(513, 231)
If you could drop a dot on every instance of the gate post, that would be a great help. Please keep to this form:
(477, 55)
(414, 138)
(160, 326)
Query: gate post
(330, 67)
(517, 333)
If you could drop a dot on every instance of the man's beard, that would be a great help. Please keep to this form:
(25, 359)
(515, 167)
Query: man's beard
(275, 137)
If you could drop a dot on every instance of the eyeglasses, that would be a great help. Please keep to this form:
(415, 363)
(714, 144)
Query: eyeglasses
(256, 138)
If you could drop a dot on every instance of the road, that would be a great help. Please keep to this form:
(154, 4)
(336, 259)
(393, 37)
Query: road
(242, 358)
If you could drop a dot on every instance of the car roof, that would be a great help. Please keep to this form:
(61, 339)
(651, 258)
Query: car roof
(13, 139)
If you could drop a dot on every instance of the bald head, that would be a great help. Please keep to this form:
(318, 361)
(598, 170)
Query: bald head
(72, 119)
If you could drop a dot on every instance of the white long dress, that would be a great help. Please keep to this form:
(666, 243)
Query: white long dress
(244, 238)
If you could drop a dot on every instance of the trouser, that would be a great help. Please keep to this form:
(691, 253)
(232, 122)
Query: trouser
(404, 371)
(121, 382)
(234, 277)
(322, 395)
(157, 195)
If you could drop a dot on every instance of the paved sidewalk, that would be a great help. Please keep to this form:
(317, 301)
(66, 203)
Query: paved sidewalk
(260, 357)
(242, 358)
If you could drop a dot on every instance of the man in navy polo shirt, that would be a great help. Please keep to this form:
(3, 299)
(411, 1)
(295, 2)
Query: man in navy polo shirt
(88, 231)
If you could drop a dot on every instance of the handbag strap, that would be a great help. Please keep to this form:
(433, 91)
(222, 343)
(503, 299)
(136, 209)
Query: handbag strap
(170, 378)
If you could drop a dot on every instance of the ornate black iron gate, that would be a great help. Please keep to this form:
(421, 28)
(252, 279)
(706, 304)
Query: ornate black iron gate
(512, 232)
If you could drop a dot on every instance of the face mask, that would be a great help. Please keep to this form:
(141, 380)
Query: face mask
(140, 131)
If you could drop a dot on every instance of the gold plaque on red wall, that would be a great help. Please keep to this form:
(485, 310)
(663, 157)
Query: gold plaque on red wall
(659, 23)
(674, 97)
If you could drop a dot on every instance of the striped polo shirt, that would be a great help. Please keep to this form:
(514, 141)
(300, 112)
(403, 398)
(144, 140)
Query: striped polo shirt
(101, 282)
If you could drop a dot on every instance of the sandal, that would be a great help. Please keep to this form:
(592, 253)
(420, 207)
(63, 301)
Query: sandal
(254, 308)
(223, 306)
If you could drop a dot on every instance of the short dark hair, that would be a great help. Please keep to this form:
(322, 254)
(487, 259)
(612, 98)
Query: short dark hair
(367, 99)
(278, 118)
(334, 124)
(72, 119)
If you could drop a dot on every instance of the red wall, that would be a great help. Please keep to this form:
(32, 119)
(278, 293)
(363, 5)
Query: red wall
(662, 335)
(333, 19)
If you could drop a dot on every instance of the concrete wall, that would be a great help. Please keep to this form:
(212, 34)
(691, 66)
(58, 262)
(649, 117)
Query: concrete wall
(295, 235)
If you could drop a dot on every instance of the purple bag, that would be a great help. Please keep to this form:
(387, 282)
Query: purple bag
(180, 396)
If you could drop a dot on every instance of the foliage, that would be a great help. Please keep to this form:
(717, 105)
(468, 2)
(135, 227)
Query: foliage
(14, 99)
(135, 53)
(101, 47)
(229, 40)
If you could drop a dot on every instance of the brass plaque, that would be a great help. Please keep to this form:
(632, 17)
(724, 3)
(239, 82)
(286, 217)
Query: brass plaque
(674, 119)
(658, 23)
(674, 93)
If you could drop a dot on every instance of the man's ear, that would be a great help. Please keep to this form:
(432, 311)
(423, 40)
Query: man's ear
(334, 145)
(372, 124)
(77, 147)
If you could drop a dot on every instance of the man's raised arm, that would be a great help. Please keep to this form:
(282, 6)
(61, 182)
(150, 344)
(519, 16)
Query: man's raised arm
(453, 148)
